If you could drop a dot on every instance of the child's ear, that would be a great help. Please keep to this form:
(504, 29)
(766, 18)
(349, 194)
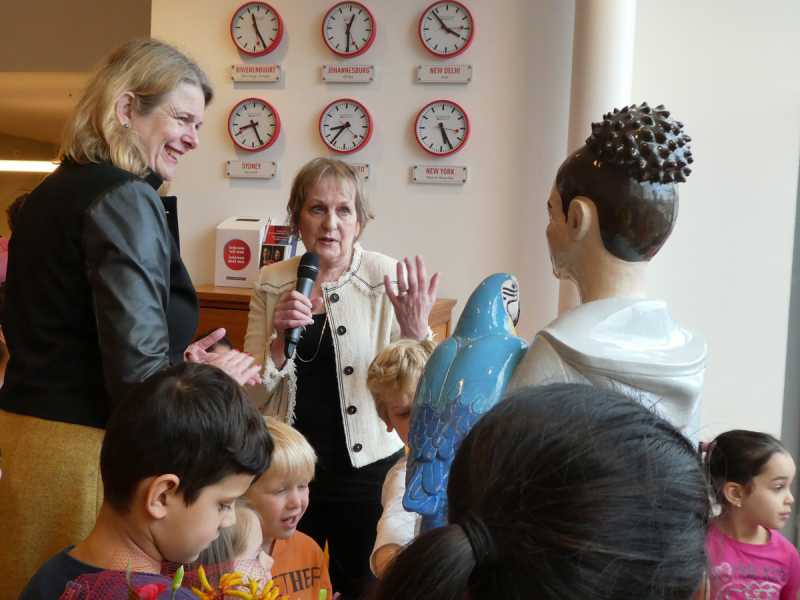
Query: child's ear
(160, 492)
(734, 493)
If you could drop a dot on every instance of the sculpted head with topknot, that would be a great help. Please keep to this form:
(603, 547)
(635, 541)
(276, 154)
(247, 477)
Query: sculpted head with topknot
(629, 168)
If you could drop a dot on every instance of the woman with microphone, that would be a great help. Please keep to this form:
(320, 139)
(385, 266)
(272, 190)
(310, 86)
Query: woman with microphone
(353, 311)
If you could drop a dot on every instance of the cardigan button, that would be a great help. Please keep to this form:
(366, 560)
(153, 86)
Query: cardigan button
(341, 330)
(334, 297)
(351, 410)
(357, 447)
(348, 370)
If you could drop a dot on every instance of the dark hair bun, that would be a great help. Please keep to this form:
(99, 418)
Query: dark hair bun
(645, 142)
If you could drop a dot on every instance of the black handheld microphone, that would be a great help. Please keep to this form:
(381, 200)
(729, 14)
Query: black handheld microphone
(307, 273)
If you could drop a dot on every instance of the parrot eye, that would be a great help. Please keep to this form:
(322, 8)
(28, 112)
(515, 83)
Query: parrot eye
(510, 294)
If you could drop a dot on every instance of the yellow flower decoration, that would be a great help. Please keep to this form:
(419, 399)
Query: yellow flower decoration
(233, 585)
(207, 592)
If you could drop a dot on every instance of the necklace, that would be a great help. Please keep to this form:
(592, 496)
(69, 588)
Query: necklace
(319, 344)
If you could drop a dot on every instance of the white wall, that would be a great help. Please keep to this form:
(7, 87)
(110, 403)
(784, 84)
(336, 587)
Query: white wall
(517, 102)
(728, 70)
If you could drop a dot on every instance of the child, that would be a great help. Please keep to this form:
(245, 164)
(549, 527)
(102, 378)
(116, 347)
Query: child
(238, 548)
(392, 378)
(564, 492)
(751, 475)
(176, 455)
(280, 497)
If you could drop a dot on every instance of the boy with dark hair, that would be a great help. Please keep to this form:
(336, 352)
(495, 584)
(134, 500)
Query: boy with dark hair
(177, 454)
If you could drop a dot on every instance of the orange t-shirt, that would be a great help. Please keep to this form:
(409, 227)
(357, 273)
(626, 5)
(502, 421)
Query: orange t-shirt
(299, 569)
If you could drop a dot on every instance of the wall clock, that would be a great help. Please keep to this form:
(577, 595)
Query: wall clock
(345, 125)
(446, 28)
(348, 29)
(256, 28)
(442, 127)
(254, 124)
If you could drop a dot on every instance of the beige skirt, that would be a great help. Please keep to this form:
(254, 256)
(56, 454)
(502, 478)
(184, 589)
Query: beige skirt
(50, 492)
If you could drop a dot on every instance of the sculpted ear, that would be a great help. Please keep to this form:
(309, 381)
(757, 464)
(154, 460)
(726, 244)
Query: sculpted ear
(579, 217)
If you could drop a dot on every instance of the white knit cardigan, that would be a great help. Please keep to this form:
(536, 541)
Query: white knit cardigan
(362, 322)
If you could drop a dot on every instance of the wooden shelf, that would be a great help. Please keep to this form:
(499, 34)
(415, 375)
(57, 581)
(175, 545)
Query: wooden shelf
(228, 307)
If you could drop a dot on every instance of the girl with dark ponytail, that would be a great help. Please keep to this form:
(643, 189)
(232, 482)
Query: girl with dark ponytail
(751, 475)
(560, 492)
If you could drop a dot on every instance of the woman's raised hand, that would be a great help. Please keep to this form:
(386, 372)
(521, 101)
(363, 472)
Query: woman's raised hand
(414, 298)
(238, 365)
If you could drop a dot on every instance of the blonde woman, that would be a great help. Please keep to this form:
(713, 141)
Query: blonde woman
(98, 298)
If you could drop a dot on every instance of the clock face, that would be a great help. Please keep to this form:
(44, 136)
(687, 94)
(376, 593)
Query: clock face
(345, 126)
(348, 28)
(442, 127)
(256, 28)
(446, 28)
(254, 124)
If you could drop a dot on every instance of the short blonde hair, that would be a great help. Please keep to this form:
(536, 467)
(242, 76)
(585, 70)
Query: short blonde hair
(292, 456)
(315, 171)
(397, 367)
(147, 68)
(232, 541)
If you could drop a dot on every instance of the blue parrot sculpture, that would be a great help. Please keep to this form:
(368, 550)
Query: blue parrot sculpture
(465, 377)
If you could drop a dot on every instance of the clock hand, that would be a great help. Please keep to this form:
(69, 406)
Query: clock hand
(347, 32)
(258, 33)
(445, 27)
(341, 129)
(254, 126)
(444, 135)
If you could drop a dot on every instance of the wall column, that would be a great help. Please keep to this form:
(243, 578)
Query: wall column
(602, 74)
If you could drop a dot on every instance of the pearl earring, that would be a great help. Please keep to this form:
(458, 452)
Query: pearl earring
(126, 125)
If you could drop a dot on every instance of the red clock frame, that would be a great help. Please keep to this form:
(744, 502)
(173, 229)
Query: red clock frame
(366, 45)
(466, 126)
(278, 36)
(471, 33)
(274, 136)
(370, 120)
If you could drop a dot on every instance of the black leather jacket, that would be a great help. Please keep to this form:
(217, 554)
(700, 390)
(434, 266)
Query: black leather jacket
(97, 295)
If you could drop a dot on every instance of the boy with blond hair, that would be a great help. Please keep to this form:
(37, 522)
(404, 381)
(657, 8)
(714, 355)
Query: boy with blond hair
(392, 378)
(280, 497)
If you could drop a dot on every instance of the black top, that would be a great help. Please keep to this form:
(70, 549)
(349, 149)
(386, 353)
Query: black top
(318, 414)
(97, 297)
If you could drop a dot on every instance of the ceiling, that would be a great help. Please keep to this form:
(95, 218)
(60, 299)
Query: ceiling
(35, 105)
(42, 75)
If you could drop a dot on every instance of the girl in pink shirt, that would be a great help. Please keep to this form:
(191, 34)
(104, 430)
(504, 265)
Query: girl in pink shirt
(751, 474)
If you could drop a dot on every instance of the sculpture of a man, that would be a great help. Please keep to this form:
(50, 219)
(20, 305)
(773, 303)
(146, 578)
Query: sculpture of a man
(613, 205)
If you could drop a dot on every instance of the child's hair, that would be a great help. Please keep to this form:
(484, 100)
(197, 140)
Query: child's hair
(292, 455)
(738, 456)
(191, 420)
(564, 491)
(398, 366)
(232, 541)
(222, 344)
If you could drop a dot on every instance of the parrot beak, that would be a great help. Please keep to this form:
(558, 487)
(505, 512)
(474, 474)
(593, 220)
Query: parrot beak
(511, 325)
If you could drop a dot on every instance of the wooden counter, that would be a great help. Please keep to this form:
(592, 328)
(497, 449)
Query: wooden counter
(228, 306)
